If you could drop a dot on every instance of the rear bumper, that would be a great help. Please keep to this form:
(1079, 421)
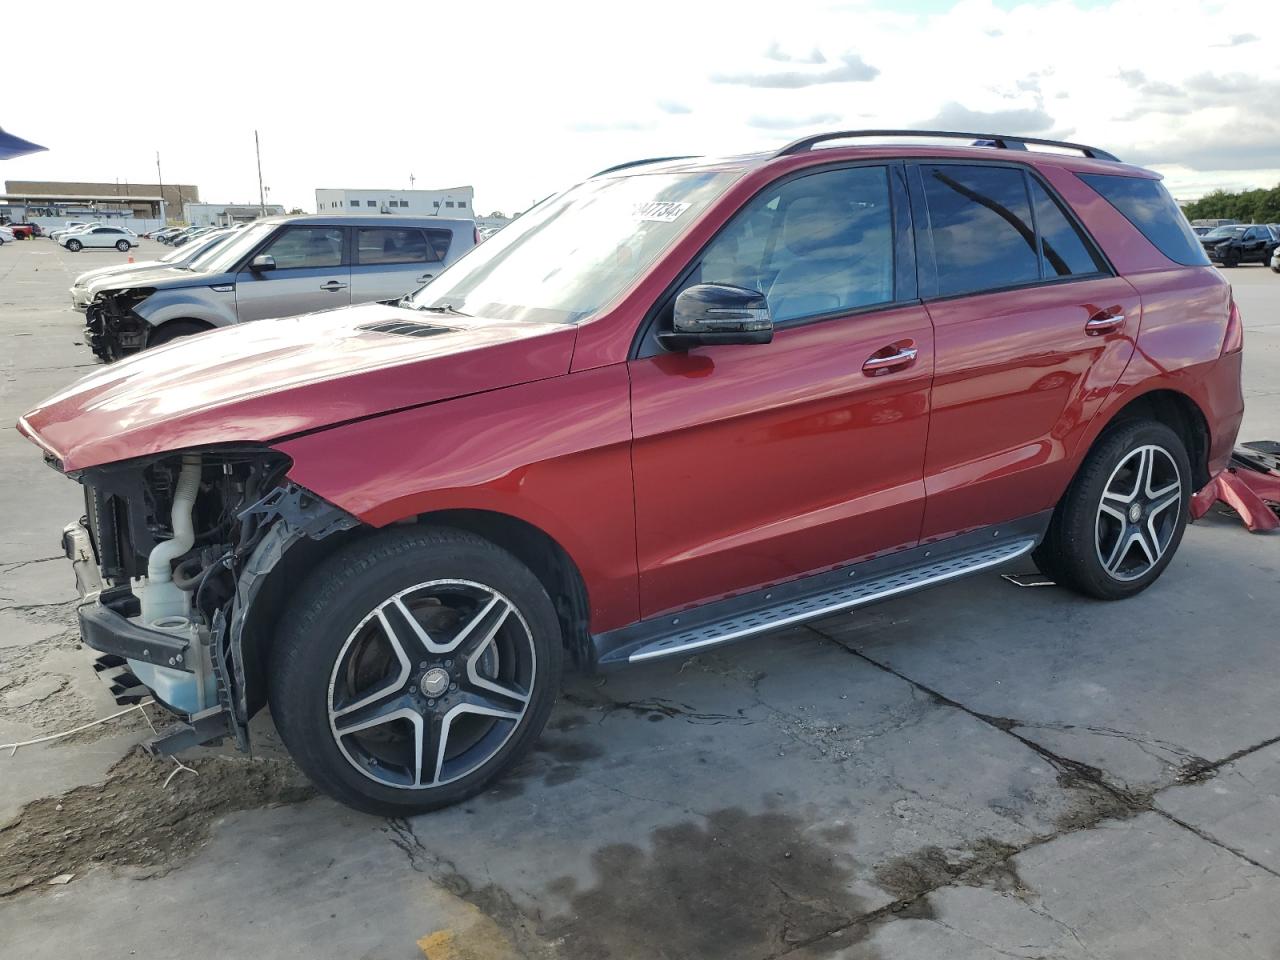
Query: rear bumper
(1224, 407)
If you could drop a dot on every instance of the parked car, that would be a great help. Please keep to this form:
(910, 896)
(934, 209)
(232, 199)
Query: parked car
(187, 236)
(1275, 260)
(86, 286)
(1240, 243)
(122, 238)
(6, 235)
(681, 403)
(25, 231)
(165, 235)
(275, 267)
(74, 226)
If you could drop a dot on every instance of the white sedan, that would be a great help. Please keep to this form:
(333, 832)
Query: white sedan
(122, 238)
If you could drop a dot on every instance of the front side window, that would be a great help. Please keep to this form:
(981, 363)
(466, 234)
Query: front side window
(573, 254)
(980, 220)
(815, 245)
(394, 245)
(299, 247)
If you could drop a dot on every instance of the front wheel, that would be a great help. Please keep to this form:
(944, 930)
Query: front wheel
(1121, 520)
(413, 668)
(74, 246)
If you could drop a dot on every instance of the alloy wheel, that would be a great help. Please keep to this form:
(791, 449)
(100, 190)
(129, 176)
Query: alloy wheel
(431, 684)
(1136, 517)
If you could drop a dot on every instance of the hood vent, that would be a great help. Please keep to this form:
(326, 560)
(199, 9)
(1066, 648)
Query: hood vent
(405, 328)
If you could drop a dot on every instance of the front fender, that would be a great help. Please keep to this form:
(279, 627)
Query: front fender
(202, 303)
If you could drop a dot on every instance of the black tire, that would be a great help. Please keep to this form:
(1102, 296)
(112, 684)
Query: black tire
(312, 656)
(1231, 260)
(1072, 547)
(122, 246)
(74, 246)
(175, 329)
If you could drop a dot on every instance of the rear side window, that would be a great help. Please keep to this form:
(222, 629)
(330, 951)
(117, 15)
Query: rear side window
(980, 219)
(1147, 205)
(1064, 252)
(393, 245)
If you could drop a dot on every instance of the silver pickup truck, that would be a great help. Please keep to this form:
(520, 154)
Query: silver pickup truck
(275, 267)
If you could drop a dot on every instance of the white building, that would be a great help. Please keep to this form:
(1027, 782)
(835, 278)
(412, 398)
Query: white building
(226, 214)
(452, 202)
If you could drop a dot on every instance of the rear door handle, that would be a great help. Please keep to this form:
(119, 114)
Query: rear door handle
(1104, 321)
(879, 362)
(333, 286)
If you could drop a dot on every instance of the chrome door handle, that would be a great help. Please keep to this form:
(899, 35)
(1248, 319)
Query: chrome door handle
(1104, 323)
(425, 277)
(876, 364)
(333, 286)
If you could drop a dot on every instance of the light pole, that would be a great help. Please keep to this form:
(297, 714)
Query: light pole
(160, 181)
(262, 201)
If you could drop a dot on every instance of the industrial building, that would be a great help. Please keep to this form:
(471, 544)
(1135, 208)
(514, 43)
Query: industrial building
(451, 202)
(227, 214)
(57, 195)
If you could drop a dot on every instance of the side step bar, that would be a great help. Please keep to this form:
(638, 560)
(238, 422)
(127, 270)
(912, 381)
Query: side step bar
(811, 598)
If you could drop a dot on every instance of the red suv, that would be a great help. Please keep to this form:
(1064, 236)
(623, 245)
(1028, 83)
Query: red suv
(683, 402)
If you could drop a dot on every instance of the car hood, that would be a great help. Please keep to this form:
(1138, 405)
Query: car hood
(261, 381)
(162, 278)
(90, 276)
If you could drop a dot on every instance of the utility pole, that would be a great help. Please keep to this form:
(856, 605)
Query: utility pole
(411, 181)
(160, 181)
(262, 202)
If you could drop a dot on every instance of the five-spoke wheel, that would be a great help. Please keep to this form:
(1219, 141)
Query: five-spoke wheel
(413, 667)
(1121, 519)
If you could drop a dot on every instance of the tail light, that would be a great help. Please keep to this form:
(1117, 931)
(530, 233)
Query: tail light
(1233, 342)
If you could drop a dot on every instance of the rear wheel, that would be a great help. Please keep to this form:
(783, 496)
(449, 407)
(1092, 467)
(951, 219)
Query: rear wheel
(1121, 520)
(174, 329)
(413, 668)
(122, 246)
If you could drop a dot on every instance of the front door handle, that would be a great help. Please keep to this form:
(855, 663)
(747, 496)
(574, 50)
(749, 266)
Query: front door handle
(425, 277)
(1104, 321)
(883, 361)
(333, 286)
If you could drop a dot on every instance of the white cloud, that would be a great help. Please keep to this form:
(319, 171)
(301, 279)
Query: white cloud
(521, 99)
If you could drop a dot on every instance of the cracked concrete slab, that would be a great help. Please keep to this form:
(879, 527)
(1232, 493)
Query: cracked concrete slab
(1238, 806)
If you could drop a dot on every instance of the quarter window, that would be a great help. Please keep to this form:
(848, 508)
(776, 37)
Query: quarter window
(815, 245)
(397, 245)
(307, 247)
(1147, 205)
(1064, 252)
(980, 220)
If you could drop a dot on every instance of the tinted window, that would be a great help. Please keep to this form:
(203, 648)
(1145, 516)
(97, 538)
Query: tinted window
(817, 244)
(394, 245)
(981, 224)
(1064, 252)
(307, 247)
(1147, 205)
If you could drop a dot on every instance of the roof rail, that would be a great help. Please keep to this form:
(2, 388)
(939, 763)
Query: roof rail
(998, 140)
(638, 163)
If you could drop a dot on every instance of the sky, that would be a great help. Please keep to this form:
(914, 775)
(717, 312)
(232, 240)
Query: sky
(523, 99)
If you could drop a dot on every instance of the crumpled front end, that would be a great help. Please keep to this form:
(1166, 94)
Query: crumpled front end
(160, 558)
(112, 328)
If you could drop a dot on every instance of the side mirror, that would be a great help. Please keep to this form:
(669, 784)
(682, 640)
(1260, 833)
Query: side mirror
(713, 313)
(263, 261)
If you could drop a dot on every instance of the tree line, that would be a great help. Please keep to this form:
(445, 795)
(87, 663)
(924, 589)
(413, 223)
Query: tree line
(1247, 206)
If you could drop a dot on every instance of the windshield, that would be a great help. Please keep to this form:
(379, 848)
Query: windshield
(573, 254)
(1222, 233)
(224, 256)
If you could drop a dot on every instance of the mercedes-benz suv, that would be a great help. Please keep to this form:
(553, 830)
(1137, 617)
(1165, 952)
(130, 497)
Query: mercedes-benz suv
(680, 403)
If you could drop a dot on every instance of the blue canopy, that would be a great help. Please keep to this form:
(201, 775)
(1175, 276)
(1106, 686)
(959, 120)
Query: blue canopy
(11, 146)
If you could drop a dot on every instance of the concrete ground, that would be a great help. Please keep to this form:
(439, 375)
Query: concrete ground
(978, 771)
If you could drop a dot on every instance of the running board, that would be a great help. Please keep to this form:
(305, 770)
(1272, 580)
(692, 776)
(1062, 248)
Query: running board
(811, 598)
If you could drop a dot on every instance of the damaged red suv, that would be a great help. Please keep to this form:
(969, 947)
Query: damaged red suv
(683, 402)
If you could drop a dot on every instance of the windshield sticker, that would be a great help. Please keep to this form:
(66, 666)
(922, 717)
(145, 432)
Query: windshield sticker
(662, 211)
